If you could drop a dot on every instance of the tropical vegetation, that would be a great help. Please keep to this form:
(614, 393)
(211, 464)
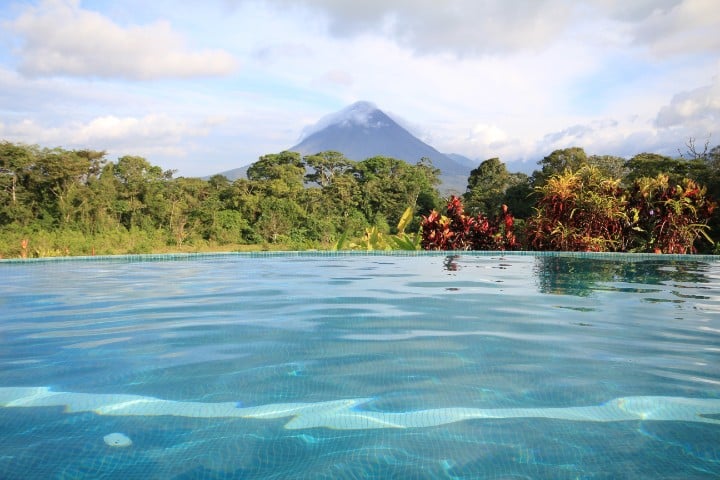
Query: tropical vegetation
(55, 201)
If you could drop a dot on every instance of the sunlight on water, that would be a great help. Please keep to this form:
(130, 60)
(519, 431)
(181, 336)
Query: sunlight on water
(346, 414)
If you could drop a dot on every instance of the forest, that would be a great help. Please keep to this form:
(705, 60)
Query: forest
(57, 202)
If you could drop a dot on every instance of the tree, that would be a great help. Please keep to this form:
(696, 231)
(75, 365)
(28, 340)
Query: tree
(693, 153)
(220, 221)
(557, 163)
(139, 189)
(76, 200)
(15, 196)
(651, 165)
(382, 195)
(342, 196)
(609, 165)
(327, 166)
(103, 212)
(230, 227)
(388, 186)
(278, 174)
(219, 182)
(190, 212)
(428, 197)
(486, 187)
(337, 207)
(278, 218)
(65, 175)
(519, 196)
(713, 185)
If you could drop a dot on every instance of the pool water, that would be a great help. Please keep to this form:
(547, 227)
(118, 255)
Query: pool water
(553, 366)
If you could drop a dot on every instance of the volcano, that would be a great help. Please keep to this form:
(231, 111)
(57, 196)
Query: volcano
(362, 131)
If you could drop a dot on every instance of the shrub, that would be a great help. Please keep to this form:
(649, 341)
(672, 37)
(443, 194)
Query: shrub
(587, 211)
(667, 218)
(457, 231)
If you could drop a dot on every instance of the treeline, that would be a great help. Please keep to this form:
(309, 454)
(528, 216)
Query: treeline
(77, 202)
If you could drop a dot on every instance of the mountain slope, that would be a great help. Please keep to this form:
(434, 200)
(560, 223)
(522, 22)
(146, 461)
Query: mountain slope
(362, 131)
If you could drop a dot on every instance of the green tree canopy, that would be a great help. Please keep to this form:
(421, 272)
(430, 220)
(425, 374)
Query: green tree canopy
(279, 174)
(16, 189)
(486, 187)
(76, 200)
(389, 186)
(557, 162)
(140, 191)
(651, 165)
(326, 166)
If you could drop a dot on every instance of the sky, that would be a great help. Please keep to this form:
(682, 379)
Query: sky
(204, 87)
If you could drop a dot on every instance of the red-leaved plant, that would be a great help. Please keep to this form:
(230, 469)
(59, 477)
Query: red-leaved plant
(457, 231)
(585, 211)
(578, 211)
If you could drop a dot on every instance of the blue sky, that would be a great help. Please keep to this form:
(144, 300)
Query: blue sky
(204, 87)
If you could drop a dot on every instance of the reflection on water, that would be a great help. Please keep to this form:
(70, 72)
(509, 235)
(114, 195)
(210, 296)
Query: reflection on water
(450, 264)
(574, 275)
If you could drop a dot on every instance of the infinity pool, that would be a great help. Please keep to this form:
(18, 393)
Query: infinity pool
(361, 366)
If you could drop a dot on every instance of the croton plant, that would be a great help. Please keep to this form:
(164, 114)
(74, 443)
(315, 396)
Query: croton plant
(457, 231)
(585, 211)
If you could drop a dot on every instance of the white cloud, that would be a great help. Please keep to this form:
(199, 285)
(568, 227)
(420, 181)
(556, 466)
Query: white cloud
(358, 113)
(697, 107)
(60, 38)
(487, 134)
(464, 26)
(28, 131)
(148, 129)
(635, 10)
(507, 78)
(471, 27)
(596, 137)
(337, 77)
(690, 27)
(154, 133)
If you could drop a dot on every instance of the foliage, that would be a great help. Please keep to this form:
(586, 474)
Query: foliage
(374, 239)
(326, 167)
(287, 201)
(574, 159)
(490, 186)
(388, 186)
(668, 218)
(650, 165)
(587, 211)
(55, 201)
(578, 211)
(519, 196)
(486, 187)
(457, 231)
(558, 162)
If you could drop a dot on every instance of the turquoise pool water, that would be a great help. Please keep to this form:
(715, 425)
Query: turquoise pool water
(361, 366)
